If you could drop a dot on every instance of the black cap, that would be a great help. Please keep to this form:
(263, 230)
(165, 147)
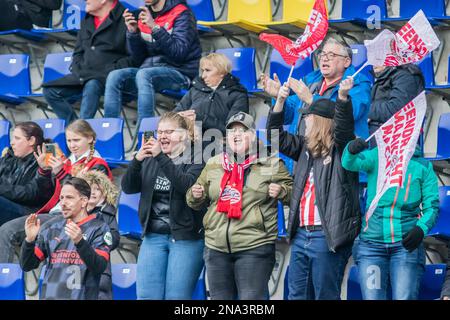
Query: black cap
(322, 107)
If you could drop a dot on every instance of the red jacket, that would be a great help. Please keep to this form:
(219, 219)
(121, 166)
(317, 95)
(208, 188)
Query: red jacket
(95, 163)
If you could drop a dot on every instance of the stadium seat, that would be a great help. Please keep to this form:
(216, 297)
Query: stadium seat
(353, 288)
(128, 217)
(147, 124)
(432, 281)
(132, 5)
(295, 16)
(357, 14)
(281, 221)
(203, 9)
(243, 16)
(426, 65)
(359, 58)
(12, 286)
(109, 141)
(15, 78)
(124, 281)
(282, 69)
(443, 137)
(442, 227)
(56, 65)
(54, 129)
(200, 289)
(4, 134)
(243, 62)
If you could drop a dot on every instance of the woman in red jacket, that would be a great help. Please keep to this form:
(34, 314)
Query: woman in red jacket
(80, 138)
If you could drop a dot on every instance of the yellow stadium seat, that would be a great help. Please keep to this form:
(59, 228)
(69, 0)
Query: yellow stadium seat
(244, 16)
(295, 16)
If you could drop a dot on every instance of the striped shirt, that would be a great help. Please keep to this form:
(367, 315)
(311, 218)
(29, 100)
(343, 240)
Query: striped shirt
(309, 213)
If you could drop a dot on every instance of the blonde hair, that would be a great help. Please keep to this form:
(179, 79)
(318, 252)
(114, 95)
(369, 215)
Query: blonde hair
(108, 188)
(218, 60)
(320, 137)
(84, 129)
(181, 122)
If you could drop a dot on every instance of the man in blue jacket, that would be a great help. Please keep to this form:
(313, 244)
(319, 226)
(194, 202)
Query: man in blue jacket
(164, 39)
(335, 65)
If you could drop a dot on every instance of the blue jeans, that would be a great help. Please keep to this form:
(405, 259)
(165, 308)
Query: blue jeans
(11, 210)
(382, 266)
(61, 98)
(143, 84)
(315, 273)
(168, 269)
(244, 274)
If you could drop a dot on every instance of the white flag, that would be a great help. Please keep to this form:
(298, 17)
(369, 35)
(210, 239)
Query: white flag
(410, 44)
(396, 140)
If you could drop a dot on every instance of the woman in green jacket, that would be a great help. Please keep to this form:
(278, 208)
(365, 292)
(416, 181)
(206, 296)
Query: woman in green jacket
(241, 190)
(390, 252)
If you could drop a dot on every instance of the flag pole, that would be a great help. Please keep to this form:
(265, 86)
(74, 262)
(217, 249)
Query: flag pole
(371, 136)
(360, 69)
(290, 72)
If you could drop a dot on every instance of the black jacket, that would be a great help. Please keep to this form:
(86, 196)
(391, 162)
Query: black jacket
(215, 107)
(107, 213)
(178, 48)
(21, 183)
(392, 90)
(40, 11)
(446, 286)
(336, 189)
(185, 223)
(97, 52)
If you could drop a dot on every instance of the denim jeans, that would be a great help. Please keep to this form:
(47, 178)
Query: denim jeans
(385, 266)
(244, 274)
(61, 98)
(10, 210)
(315, 273)
(168, 269)
(143, 84)
(12, 234)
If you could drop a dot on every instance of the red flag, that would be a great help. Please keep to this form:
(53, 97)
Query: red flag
(310, 40)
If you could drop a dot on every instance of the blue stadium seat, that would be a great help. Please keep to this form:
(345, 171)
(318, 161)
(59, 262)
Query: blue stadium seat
(133, 5)
(124, 281)
(282, 69)
(433, 9)
(128, 217)
(200, 289)
(109, 141)
(442, 227)
(147, 124)
(353, 288)
(243, 61)
(56, 65)
(281, 221)
(443, 137)
(426, 65)
(54, 129)
(359, 58)
(73, 12)
(432, 281)
(430, 286)
(4, 134)
(203, 9)
(12, 286)
(355, 14)
(15, 78)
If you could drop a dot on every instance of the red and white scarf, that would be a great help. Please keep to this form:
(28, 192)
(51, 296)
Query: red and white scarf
(166, 21)
(230, 200)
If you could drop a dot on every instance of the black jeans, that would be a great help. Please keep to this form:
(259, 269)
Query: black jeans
(12, 234)
(244, 275)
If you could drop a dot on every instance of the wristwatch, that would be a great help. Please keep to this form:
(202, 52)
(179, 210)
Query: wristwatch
(155, 28)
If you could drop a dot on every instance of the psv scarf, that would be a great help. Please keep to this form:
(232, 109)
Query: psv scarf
(165, 20)
(230, 200)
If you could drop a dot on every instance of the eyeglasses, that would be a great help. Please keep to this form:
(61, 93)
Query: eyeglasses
(237, 130)
(329, 55)
(167, 132)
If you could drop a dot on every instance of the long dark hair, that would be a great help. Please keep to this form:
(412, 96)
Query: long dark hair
(32, 129)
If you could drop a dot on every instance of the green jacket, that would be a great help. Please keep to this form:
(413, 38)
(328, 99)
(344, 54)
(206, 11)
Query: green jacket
(258, 224)
(400, 208)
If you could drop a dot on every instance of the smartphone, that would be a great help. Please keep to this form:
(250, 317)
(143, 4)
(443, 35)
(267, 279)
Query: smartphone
(148, 135)
(50, 148)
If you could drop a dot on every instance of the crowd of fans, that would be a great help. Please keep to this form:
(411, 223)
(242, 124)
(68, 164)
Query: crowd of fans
(220, 210)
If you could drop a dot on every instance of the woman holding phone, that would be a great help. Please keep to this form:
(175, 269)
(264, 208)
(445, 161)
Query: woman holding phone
(170, 257)
(80, 138)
